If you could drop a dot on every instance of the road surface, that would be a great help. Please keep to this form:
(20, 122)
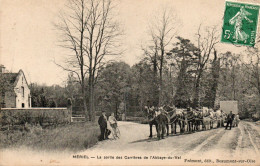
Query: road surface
(242, 142)
(206, 147)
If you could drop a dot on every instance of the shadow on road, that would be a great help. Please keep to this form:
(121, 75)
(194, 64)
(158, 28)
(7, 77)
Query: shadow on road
(145, 140)
(154, 138)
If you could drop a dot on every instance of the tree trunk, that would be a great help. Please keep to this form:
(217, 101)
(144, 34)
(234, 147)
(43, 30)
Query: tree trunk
(155, 83)
(93, 112)
(160, 89)
(84, 101)
(213, 83)
(91, 99)
(160, 80)
(197, 89)
(216, 68)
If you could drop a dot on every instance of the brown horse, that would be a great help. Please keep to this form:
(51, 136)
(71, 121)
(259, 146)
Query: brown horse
(175, 117)
(151, 121)
(190, 120)
(159, 120)
(198, 119)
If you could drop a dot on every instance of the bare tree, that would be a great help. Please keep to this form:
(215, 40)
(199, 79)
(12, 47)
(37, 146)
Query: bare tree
(213, 81)
(162, 31)
(151, 54)
(72, 26)
(90, 33)
(102, 39)
(205, 43)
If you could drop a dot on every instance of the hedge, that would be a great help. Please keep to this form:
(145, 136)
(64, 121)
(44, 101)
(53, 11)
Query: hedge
(42, 116)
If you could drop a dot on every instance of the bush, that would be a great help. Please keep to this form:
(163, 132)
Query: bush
(40, 116)
(71, 137)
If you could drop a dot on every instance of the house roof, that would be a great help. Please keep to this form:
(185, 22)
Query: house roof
(13, 78)
(10, 77)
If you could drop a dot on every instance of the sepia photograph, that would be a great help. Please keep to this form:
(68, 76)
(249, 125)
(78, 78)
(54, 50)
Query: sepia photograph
(129, 82)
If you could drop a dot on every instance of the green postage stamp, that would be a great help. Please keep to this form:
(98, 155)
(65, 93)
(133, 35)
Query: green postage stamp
(240, 23)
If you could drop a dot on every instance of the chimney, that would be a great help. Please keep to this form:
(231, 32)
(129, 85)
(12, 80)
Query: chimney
(2, 68)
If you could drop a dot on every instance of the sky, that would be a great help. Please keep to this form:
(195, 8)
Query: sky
(29, 41)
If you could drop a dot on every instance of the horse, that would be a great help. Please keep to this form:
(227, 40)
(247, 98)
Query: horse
(198, 119)
(220, 118)
(174, 116)
(236, 121)
(151, 120)
(159, 119)
(206, 122)
(205, 111)
(206, 118)
(224, 118)
(213, 116)
(190, 120)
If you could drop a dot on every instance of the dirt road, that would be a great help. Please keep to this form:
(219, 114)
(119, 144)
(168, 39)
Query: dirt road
(242, 142)
(215, 146)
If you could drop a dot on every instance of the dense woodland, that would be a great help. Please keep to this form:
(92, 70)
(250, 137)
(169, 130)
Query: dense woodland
(121, 87)
(173, 70)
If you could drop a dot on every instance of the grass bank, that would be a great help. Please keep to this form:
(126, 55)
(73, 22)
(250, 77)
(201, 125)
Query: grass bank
(69, 137)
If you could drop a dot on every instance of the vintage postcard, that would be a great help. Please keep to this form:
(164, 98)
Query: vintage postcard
(129, 82)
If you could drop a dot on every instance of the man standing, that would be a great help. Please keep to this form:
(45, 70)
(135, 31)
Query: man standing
(229, 120)
(102, 121)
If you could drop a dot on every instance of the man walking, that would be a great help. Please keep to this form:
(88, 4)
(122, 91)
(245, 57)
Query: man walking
(102, 121)
(230, 118)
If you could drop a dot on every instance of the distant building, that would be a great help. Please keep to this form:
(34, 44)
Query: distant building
(15, 93)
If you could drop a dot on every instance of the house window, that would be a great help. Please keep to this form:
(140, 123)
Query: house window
(22, 105)
(23, 90)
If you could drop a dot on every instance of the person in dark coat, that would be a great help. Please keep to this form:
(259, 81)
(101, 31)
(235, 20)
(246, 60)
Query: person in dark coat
(230, 119)
(102, 121)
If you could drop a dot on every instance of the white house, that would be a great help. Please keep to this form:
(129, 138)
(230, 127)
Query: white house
(17, 94)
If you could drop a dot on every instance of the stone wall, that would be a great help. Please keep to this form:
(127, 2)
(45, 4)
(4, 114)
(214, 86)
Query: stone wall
(10, 100)
(42, 116)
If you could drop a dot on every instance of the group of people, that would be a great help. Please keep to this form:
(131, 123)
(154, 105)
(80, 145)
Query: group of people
(107, 125)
